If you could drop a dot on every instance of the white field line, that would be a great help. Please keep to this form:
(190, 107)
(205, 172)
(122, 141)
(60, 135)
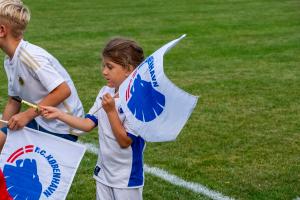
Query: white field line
(195, 187)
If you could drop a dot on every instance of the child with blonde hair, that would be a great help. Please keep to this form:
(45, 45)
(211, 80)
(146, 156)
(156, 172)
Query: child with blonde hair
(33, 75)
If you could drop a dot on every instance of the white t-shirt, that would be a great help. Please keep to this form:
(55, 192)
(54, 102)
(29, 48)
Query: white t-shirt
(32, 74)
(116, 167)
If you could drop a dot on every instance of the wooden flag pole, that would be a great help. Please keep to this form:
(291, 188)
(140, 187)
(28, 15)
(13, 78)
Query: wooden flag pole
(3, 121)
(18, 99)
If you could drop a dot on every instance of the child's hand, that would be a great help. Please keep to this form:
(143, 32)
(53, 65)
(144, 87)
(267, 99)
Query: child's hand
(50, 112)
(18, 121)
(108, 103)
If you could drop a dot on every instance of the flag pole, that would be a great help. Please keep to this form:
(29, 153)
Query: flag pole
(3, 121)
(30, 105)
(18, 99)
(102, 106)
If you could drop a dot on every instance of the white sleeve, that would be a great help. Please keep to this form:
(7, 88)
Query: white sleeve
(96, 105)
(94, 108)
(47, 74)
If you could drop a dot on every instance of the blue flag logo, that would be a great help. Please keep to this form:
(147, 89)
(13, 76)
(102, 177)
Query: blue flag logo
(22, 180)
(22, 177)
(145, 103)
(156, 108)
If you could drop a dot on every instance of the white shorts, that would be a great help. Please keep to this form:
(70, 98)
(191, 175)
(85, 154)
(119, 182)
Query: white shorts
(104, 192)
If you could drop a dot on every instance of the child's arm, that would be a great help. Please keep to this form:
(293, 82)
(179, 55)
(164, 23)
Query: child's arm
(117, 127)
(84, 124)
(55, 97)
(12, 107)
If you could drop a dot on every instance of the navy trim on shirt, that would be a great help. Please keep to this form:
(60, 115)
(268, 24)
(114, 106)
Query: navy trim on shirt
(4, 130)
(137, 171)
(93, 118)
(34, 125)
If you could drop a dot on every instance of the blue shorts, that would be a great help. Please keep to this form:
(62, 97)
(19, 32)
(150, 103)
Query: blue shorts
(33, 124)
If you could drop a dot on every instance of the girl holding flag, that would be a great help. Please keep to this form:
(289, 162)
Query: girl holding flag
(119, 171)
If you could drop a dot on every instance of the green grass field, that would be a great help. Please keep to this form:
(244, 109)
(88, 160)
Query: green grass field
(240, 56)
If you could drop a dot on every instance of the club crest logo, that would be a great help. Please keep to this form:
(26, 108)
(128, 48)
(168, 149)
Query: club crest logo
(21, 81)
(22, 170)
(143, 100)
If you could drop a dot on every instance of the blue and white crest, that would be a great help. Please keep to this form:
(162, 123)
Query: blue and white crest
(22, 180)
(154, 106)
(35, 168)
(145, 103)
(22, 173)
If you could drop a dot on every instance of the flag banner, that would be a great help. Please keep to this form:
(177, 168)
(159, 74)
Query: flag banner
(155, 107)
(3, 190)
(38, 165)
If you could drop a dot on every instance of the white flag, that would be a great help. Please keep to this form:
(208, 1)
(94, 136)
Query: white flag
(38, 165)
(155, 107)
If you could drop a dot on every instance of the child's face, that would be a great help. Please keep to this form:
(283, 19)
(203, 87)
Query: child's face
(114, 73)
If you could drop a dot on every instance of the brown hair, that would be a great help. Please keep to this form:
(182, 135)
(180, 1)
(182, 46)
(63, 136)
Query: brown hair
(15, 14)
(124, 52)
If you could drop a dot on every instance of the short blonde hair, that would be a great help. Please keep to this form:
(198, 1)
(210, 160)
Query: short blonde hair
(15, 14)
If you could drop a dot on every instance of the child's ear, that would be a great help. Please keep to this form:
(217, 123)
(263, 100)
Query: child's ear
(130, 69)
(3, 30)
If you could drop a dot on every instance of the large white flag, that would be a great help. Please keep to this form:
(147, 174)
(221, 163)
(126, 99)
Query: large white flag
(37, 165)
(156, 108)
